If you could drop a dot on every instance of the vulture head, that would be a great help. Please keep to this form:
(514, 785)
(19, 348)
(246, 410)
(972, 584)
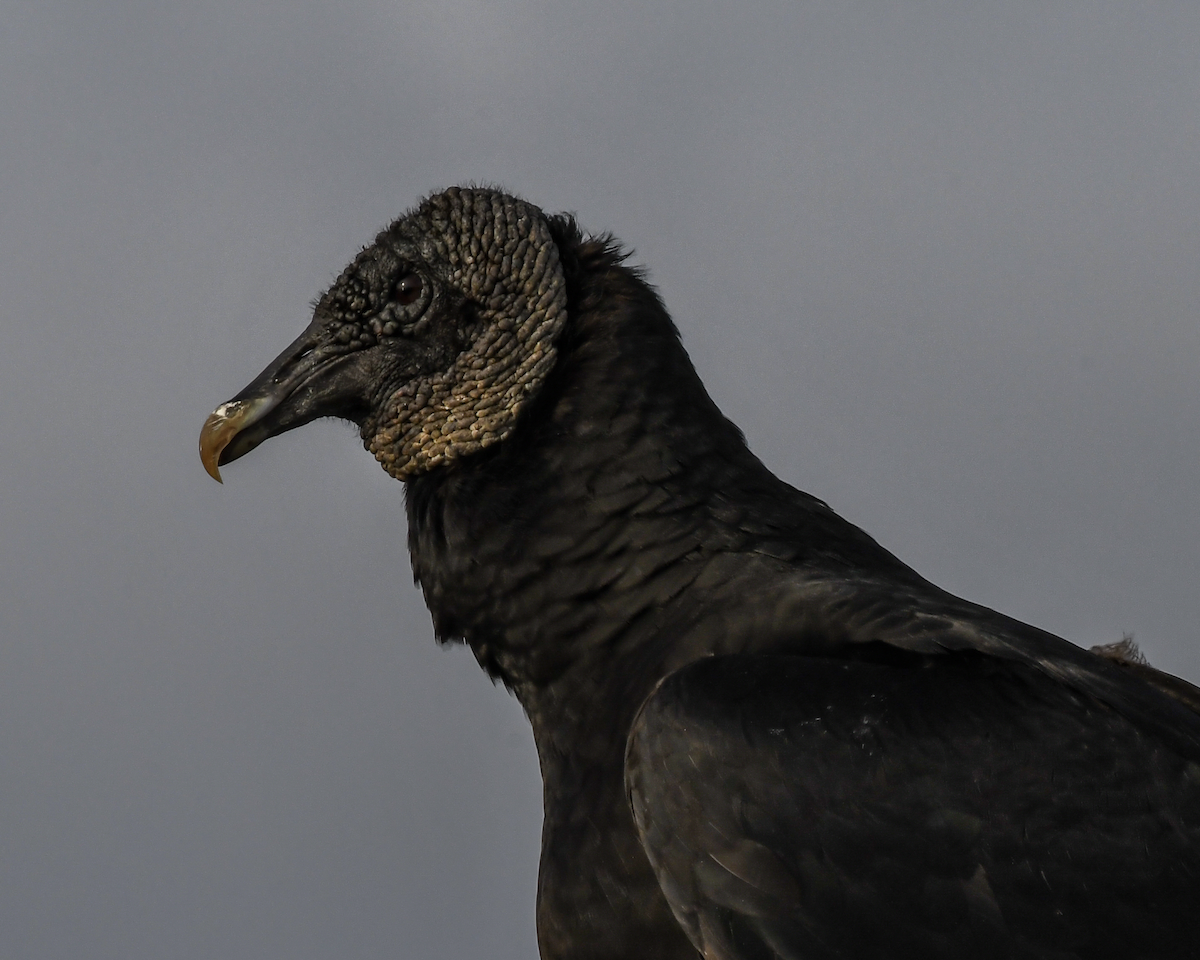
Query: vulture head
(431, 340)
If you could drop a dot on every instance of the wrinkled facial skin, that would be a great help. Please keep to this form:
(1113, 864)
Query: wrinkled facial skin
(395, 316)
(363, 344)
(432, 340)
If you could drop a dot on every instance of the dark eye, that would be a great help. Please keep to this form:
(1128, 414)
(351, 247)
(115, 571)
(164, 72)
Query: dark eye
(408, 288)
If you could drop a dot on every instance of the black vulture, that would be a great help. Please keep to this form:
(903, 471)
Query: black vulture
(761, 735)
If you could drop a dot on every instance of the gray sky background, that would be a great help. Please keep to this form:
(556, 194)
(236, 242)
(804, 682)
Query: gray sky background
(938, 259)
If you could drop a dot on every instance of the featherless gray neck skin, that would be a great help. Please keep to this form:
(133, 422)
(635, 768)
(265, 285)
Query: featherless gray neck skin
(495, 252)
(433, 339)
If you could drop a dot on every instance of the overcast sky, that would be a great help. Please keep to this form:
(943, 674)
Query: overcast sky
(939, 260)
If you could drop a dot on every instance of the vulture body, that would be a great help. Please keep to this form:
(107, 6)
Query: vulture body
(761, 735)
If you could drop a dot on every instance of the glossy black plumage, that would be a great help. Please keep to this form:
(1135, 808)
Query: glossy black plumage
(625, 531)
(830, 756)
(948, 806)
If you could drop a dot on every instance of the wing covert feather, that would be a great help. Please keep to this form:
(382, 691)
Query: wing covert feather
(945, 806)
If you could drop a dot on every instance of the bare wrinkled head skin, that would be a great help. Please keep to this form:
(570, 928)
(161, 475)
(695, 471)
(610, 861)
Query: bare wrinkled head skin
(432, 339)
(495, 251)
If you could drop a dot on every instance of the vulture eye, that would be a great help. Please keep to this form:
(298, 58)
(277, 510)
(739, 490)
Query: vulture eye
(408, 288)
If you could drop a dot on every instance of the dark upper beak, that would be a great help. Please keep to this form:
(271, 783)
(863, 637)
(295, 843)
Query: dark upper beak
(302, 384)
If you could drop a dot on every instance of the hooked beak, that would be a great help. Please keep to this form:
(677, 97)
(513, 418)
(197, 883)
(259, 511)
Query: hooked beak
(225, 423)
(299, 386)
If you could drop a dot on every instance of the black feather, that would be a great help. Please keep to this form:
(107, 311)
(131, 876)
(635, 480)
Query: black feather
(625, 531)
